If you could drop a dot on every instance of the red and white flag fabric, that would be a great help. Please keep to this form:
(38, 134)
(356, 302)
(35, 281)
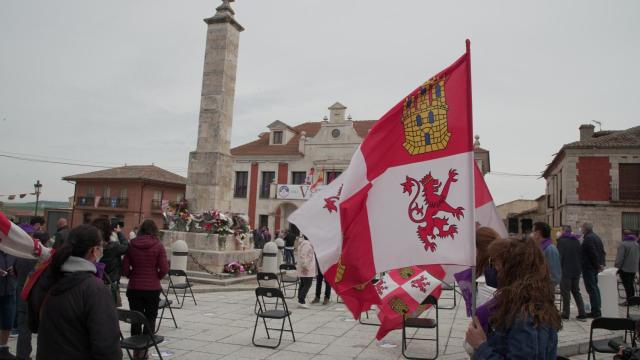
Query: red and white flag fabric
(319, 180)
(407, 196)
(402, 292)
(309, 178)
(486, 211)
(15, 241)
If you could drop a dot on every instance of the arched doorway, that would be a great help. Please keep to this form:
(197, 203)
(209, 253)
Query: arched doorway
(282, 214)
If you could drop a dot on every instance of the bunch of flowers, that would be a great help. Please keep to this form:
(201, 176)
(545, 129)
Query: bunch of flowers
(179, 218)
(250, 267)
(233, 268)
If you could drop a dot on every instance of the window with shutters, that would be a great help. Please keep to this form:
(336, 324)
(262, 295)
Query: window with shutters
(265, 185)
(240, 189)
(298, 177)
(629, 181)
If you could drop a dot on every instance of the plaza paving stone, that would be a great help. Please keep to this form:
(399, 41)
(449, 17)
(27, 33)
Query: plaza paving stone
(221, 326)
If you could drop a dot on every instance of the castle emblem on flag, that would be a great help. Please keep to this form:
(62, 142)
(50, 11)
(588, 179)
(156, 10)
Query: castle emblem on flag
(424, 119)
(430, 226)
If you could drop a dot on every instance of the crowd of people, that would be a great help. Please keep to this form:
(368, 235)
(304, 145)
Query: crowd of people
(70, 300)
(521, 320)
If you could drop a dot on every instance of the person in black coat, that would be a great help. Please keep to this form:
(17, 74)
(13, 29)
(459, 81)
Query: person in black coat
(62, 233)
(593, 256)
(77, 316)
(571, 262)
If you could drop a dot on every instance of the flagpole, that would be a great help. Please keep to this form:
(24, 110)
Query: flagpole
(474, 289)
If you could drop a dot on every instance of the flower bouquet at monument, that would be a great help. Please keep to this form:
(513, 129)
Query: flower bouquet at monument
(250, 267)
(178, 217)
(233, 267)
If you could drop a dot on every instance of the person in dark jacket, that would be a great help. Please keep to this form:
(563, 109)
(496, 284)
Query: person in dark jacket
(571, 262)
(78, 319)
(114, 249)
(525, 323)
(145, 264)
(62, 233)
(7, 301)
(289, 244)
(592, 263)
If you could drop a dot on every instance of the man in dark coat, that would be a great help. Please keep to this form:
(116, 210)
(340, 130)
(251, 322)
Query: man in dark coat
(593, 256)
(62, 233)
(571, 263)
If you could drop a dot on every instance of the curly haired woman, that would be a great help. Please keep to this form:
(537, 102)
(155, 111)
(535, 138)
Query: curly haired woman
(525, 323)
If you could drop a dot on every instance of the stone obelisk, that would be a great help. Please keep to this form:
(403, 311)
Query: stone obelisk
(209, 180)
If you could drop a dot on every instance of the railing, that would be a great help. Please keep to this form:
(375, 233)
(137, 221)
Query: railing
(86, 201)
(109, 202)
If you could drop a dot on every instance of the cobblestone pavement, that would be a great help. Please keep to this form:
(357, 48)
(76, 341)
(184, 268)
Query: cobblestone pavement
(221, 325)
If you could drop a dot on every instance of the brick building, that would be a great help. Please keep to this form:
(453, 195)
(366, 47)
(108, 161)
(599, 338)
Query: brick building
(597, 180)
(130, 193)
(272, 172)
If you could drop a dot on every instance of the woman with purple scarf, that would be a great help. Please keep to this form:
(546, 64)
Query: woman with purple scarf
(627, 261)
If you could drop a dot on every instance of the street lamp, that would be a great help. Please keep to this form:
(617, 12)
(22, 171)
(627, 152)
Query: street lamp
(37, 186)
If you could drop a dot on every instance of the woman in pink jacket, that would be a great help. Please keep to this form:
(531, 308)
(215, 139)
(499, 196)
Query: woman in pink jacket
(306, 270)
(145, 264)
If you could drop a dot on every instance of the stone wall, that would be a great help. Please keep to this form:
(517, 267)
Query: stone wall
(606, 220)
(210, 250)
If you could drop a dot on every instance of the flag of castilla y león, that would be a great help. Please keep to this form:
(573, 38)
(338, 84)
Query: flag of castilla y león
(407, 196)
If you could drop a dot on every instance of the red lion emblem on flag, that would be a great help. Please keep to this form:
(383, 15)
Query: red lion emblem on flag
(421, 284)
(435, 203)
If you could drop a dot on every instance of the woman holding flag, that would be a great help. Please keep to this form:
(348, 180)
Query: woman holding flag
(525, 323)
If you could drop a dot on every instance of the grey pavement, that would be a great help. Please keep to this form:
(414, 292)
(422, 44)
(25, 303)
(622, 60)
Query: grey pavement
(221, 326)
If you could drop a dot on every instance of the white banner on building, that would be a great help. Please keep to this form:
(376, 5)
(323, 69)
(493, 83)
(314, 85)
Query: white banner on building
(296, 192)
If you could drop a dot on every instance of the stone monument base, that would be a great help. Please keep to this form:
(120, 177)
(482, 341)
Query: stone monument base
(211, 250)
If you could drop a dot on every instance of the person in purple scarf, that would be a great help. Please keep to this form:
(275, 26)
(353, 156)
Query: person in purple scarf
(571, 262)
(627, 261)
(541, 234)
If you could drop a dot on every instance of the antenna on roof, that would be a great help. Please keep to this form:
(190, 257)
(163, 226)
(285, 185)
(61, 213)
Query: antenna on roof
(599, 124)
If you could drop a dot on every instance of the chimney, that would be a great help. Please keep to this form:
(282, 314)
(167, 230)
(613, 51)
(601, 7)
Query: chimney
(301, 143)
(586, 131)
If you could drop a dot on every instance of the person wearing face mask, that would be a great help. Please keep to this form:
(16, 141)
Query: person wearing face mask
(78, 319)
(525, 322)
(145, 264)
(541, 235)
(571, 262)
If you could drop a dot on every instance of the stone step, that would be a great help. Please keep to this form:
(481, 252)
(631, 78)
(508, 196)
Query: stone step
(201, 277)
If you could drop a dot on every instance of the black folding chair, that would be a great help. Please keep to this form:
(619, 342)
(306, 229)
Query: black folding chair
(288, 281)
(185, 286)
(266, 311)
(558, 298)
(165, 304)
(611, 324)
(141, 342)
(448, 287)
(632, 301)
(420, 323)
(368, 320)
(268, 280)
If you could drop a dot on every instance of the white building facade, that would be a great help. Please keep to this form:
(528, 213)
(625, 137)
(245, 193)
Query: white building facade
(275, 174)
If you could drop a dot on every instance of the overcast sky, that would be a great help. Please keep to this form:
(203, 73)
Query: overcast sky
(115, 82)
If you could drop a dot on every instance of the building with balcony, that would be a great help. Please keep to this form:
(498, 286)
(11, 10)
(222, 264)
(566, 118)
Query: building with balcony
(597, 180)
(273, 173)
(130, 193)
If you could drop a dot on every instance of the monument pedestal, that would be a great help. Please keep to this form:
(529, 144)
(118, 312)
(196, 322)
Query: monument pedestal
(210, 250)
